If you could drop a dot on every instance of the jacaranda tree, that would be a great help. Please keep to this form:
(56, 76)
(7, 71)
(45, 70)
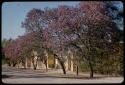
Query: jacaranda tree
(90, 30)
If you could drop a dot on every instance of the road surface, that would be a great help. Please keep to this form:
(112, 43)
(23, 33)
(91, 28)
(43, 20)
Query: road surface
(23, 76)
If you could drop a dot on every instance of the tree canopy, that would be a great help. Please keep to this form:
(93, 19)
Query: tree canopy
(92, 30)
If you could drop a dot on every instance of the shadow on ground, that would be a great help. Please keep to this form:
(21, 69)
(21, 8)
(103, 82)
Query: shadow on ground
(6, 76)
(49, 76)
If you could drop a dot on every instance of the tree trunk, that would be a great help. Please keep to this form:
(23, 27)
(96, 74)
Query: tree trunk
(14, 64)
(61, 63)
(77, 70)
(35, 64)
(91, 69)
(18, 65)
(9, 63)
(34, 67)
(46, 61)
(25, 63)
(46, 65)
(63, 66)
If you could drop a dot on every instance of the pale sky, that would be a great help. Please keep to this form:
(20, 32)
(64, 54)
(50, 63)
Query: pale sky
(13, 13)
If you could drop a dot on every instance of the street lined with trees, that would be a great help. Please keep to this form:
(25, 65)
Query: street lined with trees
(91, 32)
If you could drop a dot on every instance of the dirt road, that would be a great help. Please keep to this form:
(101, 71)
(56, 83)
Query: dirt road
(16, 76)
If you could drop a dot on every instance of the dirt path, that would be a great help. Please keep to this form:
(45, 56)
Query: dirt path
(13, 75)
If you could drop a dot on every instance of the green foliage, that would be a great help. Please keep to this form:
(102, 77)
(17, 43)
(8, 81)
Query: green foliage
(83, 67)
(111, 64)
(103, 63)
(58, 66)
(51, 60)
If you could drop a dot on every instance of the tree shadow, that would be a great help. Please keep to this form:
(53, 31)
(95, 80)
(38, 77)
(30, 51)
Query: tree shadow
(6, 76)
(49, 76)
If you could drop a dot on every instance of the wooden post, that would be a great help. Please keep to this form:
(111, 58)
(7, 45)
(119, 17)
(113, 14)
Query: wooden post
(38, 64)
(26, 62)
(31, 63)
(47, 61)
(35, 59)
(35, 62)
(72, 62)
(66, 64)
(21, 65)
(72, 65)
(55, 62)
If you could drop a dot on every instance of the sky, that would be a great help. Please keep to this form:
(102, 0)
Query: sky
(13, 13)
